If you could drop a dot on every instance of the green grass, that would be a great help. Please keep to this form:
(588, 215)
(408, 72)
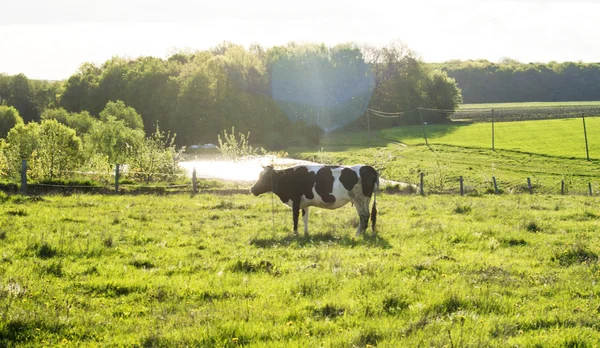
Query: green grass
(528, 105)
(176, 270)
(548, 152)
(562, 137)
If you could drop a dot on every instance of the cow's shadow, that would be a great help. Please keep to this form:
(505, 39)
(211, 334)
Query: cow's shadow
(315, 239)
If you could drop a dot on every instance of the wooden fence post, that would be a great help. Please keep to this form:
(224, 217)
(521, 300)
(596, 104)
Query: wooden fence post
(495, 185)
(23, 177)
(529, 185)
(421, 190)
(117, 178)
(562, 187)
(590, 188)
(587, 149)
(462, 189)
(194, 182)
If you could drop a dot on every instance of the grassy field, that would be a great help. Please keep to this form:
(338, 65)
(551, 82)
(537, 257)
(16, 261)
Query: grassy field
(528, 105)
(548, 152)
(215, 271)
(563, 138)
(524, 111)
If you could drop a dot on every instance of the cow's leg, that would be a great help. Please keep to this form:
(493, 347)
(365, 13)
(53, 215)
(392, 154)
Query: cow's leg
(305, 219)
(362, 208)
(295, 213)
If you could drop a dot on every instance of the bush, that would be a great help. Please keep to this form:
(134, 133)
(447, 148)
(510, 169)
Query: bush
(59, 151)
(155, 158)
(235, 147)
(112, 138)
(9, 117)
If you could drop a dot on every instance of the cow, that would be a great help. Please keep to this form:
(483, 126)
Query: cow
(329, 187)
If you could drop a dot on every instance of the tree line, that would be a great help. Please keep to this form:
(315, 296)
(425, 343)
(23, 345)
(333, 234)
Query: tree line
(284, 95)
(482, 81)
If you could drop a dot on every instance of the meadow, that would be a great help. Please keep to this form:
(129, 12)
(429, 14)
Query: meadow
(528, 105)
(214, 271)
(526, 111)
(547, 151)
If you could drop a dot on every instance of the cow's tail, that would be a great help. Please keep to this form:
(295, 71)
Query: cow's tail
(374, 208)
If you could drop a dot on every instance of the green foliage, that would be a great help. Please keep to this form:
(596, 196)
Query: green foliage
(113, 139)
(235, 147)
(81, 122)
(176, 271)
(59, 151)
(155, 158)
(9, 117)
(482, 81)
(121, 112)
(5, 160)
(22, 141)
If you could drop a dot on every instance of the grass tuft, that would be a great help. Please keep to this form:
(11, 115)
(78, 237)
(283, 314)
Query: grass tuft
(142, 264)
(328, 311)
(393, 304)
(462, 209)
(533, 226)
(576, 254)
(18, 212)
(46, 251)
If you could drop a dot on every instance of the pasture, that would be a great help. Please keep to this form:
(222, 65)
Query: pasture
(527, 111)
(547, 151)
(528, 105)
(224, 271)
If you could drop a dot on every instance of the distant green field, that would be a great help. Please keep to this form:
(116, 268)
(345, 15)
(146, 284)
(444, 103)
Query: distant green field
(547, 151)
(528, 105)
(562, 137)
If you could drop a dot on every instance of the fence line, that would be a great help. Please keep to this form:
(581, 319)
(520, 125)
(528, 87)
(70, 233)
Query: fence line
(497, 189)
(117, 174)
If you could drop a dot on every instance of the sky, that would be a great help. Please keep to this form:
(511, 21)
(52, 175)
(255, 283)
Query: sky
(50, 39)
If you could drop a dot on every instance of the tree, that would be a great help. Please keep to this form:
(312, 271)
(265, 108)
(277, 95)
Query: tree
(22, 140)
(122, 112)
(58, 151)
(80, 121)
(113, 139)
(9, 117)
(441, 91)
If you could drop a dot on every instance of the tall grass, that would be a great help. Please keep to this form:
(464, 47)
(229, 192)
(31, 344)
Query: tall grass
(215, 271)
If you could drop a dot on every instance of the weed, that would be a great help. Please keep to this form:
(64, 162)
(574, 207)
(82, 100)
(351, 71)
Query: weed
(18, 212)
(328, 311)
(575, 254)
(513, 241)
(46, 251)
(142, 264)
(108, 242)
(462, 209)
(393, 304)
(533, 226)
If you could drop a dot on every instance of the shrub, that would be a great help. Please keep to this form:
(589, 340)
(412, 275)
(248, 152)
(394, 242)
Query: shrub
(9, 117)
(156, 157)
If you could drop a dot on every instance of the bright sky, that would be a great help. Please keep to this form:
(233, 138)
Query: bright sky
(49, 39)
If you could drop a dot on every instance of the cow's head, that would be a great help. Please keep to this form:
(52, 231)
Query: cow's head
(266, 181)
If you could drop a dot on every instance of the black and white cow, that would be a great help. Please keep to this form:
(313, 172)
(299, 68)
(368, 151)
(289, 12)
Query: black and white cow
(330, 187)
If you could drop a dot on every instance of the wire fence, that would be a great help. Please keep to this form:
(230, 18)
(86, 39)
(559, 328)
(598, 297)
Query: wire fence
(450, 136)
(119, 181)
